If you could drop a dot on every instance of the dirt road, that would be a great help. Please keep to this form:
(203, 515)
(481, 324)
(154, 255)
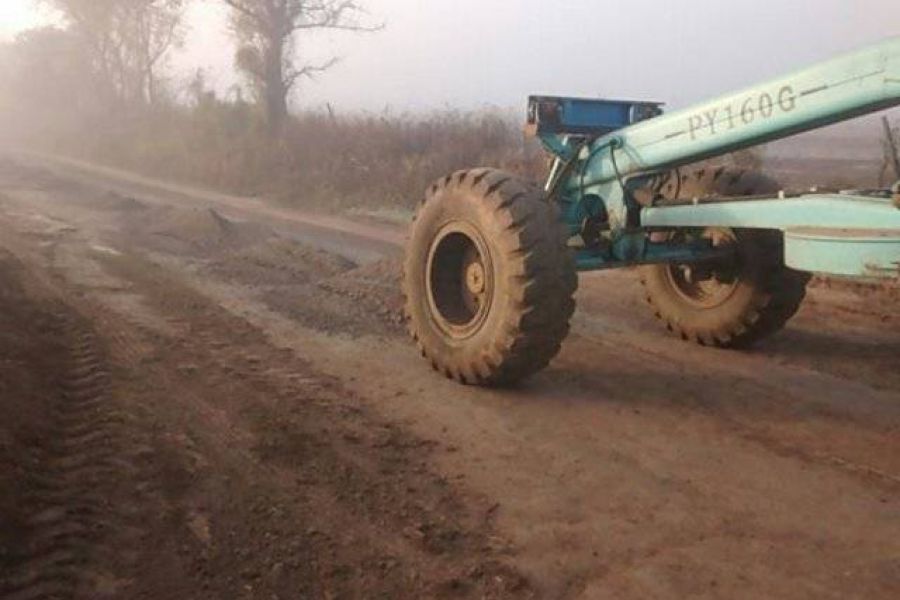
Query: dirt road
(206, 397)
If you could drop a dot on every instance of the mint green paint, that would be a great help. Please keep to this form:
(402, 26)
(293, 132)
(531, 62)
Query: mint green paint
(855, 84)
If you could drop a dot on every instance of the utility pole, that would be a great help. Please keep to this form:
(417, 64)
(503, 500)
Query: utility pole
(892, 145)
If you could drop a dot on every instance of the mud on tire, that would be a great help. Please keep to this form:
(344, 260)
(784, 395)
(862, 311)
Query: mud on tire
(759, 294)
(488, 278)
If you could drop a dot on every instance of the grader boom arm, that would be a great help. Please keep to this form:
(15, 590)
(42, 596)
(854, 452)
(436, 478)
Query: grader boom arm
(836, 90)
(606, 149)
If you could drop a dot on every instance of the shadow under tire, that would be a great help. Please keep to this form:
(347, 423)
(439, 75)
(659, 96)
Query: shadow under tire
(750, 298)
(488, 278)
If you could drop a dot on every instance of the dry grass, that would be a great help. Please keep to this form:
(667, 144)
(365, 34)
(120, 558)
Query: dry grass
(322, 161)
(375, 164)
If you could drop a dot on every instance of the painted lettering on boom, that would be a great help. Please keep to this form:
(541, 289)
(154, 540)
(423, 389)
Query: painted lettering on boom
(694, 124)
(766, 105)
(711, 119)
(745, 111)
(787, 100)
(748, 114)
(730, 112)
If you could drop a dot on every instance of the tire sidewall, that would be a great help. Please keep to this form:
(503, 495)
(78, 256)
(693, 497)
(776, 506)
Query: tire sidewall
(450, 205)
(748, 293)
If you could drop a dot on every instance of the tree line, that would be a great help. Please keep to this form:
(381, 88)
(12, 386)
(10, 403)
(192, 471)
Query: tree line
(111, 55)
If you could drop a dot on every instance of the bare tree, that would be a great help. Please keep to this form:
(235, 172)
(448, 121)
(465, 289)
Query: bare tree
(156, 26)
(268, 31)
(128, 41)
(44, 73)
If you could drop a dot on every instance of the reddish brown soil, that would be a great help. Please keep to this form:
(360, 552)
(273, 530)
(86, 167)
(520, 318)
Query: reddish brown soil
(203, 401)
(179, 454)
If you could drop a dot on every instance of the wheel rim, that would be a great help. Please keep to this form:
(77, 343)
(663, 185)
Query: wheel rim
(460, 280)
(710, 284)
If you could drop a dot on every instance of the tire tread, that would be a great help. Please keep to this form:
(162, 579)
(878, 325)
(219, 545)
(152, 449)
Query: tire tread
(534, 240)
(781, 290)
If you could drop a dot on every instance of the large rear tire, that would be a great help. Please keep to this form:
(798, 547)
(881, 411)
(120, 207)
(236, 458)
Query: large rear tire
(488, 278)
(736, 302)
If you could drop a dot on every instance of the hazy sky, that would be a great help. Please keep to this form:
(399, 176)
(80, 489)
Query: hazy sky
(16, 15)
(468, 53)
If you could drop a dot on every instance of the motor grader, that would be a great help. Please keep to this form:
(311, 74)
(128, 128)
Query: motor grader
(724, 256)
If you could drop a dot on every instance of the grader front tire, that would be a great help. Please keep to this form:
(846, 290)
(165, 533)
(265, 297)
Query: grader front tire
(488, 278)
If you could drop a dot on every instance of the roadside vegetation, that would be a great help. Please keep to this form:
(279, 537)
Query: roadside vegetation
(320, 159)
(94, 89)
(98, 87)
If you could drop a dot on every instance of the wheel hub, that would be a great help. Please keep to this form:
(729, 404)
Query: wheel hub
(475, 278)
(707, 284)
(460, 280)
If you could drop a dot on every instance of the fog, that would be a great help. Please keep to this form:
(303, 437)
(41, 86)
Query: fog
(468, 53)
(17, 15)
(471, 53)
(441, 86)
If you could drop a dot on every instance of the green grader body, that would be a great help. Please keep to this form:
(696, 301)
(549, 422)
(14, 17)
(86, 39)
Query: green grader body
(724, 256)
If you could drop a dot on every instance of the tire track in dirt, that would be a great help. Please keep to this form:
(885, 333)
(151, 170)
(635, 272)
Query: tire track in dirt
(677, 456)
(73, 523)
(320, 493)
(260, 476)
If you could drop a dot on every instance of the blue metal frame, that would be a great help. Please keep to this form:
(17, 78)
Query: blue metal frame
(607, 149)
(585, 116)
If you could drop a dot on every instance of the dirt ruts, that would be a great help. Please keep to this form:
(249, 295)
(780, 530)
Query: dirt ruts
(75, 495)
(180, 454)
(278, 437)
